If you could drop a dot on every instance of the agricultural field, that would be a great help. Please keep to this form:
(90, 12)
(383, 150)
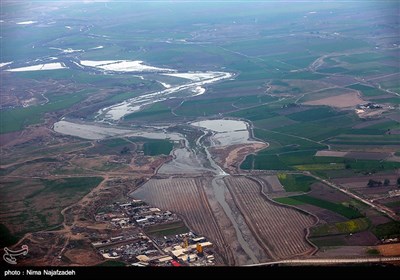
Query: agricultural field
(316, 83)
(36, 204)
(295, 183)
(186, 197)
(272, 220)
(351, 226)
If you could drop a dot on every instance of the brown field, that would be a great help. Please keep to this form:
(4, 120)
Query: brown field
(339, 101)
(359, 185)
(272, 183)
(339, 80)
(322, 191)
(389, 250)
(362, 181)
(231, 157)
(367, 123)
(79, 256)
(187, 198)
(367, 155)
(364, 238)
(270, 222)
(330, 154)
(323, 214)
(394, 116)
(286, 90)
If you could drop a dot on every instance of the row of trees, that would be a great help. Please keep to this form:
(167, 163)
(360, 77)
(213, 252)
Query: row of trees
(372, 183)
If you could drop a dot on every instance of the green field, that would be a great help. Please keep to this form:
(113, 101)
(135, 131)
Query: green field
(167, 229)
(70, 185)
(388, 230)
(367, 90)
(155, 111)
(40, 201)
(347, 227)
(295, 183)
(314, 114)
(254, 114)
(347, 212)
(18, 118)
(157, 147)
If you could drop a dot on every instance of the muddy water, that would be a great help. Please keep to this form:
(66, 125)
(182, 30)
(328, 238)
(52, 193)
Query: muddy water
(185, 162)
(226, 132)
(219, 188)
(216, 168)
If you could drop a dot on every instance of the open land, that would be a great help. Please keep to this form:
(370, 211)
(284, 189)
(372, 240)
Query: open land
(135, 146)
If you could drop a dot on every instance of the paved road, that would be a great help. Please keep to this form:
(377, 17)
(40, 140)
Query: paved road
(380, 208)
(331, 261)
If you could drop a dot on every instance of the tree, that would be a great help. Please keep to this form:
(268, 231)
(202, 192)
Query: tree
(372, 183)
(386, 182)
(125, 150)
(398, 181)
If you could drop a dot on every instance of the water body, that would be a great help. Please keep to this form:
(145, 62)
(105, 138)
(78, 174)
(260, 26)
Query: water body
(226, 132)
(216, 168)
(93, 131)
(192, 87)
(219, 188)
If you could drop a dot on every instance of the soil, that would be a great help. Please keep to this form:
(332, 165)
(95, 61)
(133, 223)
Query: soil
(389, 250)
(324, 215)
(321, 191)
(232, 156)
(338, 101)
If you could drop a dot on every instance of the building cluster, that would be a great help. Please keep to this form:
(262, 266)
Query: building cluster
(131, 220)
(369, 106)
(135, 213)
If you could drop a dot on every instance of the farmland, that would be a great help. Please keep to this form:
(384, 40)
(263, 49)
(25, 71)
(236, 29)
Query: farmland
(186, 197)
(305, 199)
(272, 220)
(315, 84)
(294, 183)
(37, 204)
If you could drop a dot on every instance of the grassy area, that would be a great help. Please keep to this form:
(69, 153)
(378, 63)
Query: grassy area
(157, 147)
(321, 166)
(350, 226)
(319, 113)
(6, 237)
(68, 186)
(388, 230)
(288, 201)
(373, 252)
(157, 110)
(264, 162)
(355, 139)
(367, 90)
(40, 201)
(328, 242)
(254, 114)
(116, 142)
(286, 142)
(18, 118)
(347, 212)
(167, 229)
(206, 107)
(296, 183)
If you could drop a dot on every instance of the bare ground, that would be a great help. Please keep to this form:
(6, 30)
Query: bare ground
(389, 250)
(231, 157)
(339, 101)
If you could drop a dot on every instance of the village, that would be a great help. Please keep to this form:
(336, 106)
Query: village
(130, 243)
